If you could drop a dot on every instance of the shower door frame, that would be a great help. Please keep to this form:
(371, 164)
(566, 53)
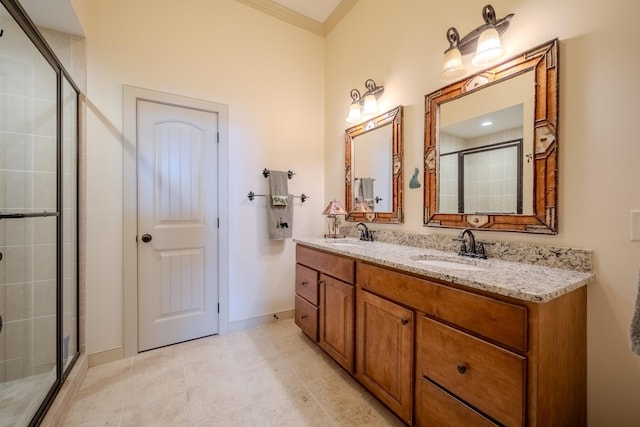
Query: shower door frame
(16, 11)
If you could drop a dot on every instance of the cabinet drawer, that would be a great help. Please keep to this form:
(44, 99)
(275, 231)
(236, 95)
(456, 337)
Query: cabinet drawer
(498, 321)
(307, 317)
(486, 376)
(307, 283)
(333, 265)
(438, 408)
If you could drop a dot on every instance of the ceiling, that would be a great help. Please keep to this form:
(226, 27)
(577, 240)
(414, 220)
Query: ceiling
(318, 10)
(59, 14)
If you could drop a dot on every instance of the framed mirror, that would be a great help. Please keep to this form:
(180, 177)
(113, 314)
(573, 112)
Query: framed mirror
(491, 147)
(373, 169)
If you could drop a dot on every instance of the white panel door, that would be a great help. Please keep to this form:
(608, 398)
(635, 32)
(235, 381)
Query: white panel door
(177, 224)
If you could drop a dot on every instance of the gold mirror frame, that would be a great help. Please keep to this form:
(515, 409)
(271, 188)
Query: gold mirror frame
(543, 61)
(394, 119)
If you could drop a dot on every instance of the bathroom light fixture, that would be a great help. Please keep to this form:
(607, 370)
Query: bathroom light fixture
(333, 209)
(366, 104)
(484, 40)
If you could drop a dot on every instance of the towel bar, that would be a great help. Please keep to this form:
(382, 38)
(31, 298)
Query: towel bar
(266, 172)
(253, 195)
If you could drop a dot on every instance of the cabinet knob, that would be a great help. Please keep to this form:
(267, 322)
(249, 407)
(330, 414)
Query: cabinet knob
(304, 316)
(405, 322)
(304, 283)
(462, 369)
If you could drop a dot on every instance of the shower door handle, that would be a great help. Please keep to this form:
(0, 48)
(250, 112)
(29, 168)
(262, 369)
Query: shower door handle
(146, 238)
(27, 215)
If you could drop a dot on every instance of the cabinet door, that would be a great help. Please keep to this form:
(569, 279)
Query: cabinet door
(385, 351)
(336, 320)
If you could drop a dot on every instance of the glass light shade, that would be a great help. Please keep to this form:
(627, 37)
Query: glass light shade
(370, 104)
(489, 48)
(355, 114)
(453, 67)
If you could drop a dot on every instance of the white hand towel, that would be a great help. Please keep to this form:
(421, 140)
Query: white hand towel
(634, 331)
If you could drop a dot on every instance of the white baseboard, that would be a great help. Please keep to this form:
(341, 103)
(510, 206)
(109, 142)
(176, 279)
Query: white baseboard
(106, 356)
(241, 325)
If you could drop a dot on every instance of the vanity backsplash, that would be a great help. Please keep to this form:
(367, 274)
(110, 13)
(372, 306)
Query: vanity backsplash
(545, 256)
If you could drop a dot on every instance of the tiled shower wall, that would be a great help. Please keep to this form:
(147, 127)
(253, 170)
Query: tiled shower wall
(487, 190)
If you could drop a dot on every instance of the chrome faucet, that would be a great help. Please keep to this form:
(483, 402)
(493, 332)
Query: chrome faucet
(468, 245)
(365, 234)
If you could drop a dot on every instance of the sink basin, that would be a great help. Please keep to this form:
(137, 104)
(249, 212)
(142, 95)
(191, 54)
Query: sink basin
(449, 264)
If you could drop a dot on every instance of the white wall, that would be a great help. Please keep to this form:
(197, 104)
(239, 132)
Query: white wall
(598, 143)
(269, 73)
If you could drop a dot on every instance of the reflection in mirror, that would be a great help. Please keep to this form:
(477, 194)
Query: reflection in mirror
(373, 169)
(488, 165)
(482, 150)
(372, 163)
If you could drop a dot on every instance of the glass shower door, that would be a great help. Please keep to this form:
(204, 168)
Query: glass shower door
(28, 226)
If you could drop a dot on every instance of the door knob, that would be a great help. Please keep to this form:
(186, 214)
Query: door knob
(146, 238)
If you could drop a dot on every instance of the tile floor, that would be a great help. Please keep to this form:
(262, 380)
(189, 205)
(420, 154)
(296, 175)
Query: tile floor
(271, 375)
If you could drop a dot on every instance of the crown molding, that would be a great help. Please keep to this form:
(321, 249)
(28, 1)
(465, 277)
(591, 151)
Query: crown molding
(338, 13)
(295, 18)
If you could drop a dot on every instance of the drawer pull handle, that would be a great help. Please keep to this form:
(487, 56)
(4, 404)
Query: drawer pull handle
(304, 316)
(305, 283)
(462, 369)
(405, 322)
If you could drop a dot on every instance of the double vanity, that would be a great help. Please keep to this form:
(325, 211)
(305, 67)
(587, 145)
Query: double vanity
(447, 340)
(441, 339)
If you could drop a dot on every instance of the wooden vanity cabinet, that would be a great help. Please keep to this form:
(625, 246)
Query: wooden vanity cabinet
(332, 298)
(440, 354)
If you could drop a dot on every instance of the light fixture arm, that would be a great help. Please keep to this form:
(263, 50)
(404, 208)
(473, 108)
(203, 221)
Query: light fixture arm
(453, 37)
(355, 95)
(489, 15)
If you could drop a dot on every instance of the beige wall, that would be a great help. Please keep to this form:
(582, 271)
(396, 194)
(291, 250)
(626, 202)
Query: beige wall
(599, 147)
(269, 73)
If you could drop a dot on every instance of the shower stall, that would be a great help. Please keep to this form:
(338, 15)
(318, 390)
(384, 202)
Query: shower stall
(38, 221)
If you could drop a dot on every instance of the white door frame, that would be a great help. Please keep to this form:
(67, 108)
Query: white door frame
(131, 95)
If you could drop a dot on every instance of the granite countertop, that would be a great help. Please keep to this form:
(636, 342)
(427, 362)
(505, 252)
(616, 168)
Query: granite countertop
(513, 279)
